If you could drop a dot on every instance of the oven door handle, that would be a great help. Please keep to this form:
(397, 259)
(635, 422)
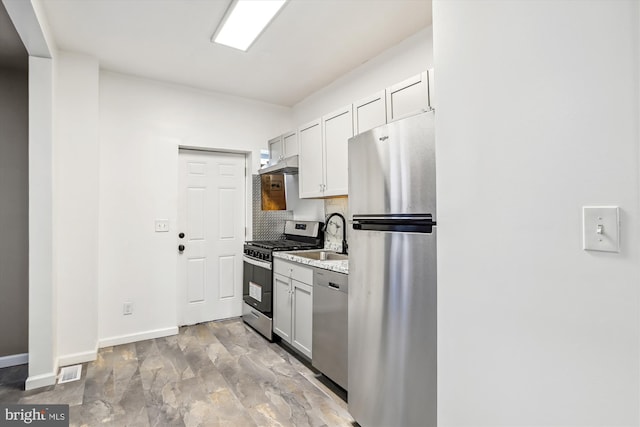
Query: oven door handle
(258, 263)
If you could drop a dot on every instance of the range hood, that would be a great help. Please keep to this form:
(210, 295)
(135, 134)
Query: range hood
(288, 165)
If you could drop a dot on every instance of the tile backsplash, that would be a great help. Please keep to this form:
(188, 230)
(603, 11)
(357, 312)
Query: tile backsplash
(267, 225)
(333, 233)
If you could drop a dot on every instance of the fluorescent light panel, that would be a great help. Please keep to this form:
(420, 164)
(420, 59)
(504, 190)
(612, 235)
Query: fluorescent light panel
(245, 21)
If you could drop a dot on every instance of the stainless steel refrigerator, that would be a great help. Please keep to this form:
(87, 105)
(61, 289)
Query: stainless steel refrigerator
(392, 275)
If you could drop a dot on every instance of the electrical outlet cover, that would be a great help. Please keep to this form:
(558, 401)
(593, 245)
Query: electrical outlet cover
(162, 225)
(601, 228)
(127, 308)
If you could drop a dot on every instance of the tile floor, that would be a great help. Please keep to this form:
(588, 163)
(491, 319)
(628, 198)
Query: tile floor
(211, 374)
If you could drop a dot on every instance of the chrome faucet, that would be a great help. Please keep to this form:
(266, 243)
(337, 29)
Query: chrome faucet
(344, 230)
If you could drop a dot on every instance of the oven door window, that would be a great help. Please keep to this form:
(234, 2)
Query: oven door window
(255, 291)
(257, 284)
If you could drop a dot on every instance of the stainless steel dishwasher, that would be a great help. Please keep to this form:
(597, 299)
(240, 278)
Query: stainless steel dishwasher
(330, 328)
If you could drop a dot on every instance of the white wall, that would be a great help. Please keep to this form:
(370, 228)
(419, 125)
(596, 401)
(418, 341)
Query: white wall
(142, 123)
(411, 56)
(76, 206)
(42, 287)
(537, 116)
(28, 19)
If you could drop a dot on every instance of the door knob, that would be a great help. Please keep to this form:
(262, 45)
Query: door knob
(181, 248)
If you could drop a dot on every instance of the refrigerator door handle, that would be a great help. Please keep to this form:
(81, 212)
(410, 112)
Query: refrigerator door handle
(422, 224)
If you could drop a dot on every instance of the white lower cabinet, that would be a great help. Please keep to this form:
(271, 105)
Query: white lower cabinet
(302, 317)
(282, 299)
(293, 304)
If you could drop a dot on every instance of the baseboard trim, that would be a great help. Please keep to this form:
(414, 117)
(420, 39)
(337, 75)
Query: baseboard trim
(40, 381)
(75, 358)
(141, 336)
(14, 359)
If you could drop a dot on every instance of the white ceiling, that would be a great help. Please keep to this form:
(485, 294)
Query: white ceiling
(308, 45)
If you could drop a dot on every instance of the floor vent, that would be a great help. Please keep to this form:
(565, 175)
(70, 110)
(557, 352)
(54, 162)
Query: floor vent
(70, 373)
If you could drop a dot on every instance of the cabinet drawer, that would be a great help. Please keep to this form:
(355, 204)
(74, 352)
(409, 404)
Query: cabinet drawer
(292, 270)
(302, 274)
(282, 267)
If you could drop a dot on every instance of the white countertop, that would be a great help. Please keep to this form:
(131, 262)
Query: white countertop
(341, 266)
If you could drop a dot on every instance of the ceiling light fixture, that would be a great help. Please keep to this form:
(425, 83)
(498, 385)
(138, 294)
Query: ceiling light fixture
(244, 21)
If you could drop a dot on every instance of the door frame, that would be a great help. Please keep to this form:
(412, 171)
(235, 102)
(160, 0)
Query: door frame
(248, 205)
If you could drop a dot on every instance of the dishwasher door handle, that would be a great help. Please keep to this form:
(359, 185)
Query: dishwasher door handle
(334, 286)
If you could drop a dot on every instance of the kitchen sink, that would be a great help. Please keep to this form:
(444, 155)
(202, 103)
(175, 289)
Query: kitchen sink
(322, 255)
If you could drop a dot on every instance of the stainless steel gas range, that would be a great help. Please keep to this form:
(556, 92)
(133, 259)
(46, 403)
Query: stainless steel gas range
(258, 277)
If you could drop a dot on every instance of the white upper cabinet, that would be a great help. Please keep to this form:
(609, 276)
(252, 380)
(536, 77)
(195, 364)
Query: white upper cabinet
(408, 98)
(323, 163)
(282, 146)
(369, 112)
(323, 144)
(276, 150)
(337, 129)
(311, 160)
(290, 143)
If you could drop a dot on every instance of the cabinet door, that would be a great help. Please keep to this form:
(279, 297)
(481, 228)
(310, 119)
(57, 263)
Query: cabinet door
(430, 80)
(282, 303)
(302, 317)
(311, 161)
(290, 142)
(369, 113)
(276, 150)
(338, 128)
(407, 98)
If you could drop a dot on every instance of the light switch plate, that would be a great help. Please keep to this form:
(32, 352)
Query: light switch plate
(601, 228)
(162, 225)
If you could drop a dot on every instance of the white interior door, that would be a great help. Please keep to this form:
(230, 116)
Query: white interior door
(211, 214)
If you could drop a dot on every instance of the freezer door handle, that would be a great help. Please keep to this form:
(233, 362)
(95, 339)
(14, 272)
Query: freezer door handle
(394, 223)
